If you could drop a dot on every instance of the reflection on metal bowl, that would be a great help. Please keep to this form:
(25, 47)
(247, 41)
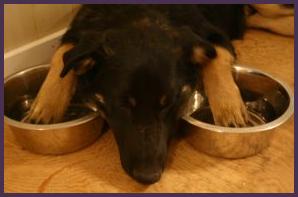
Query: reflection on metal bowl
(269, 102)
(81, 126)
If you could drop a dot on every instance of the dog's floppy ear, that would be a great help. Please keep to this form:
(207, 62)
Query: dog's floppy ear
(199, 51)
(82, 57)
(79, 58)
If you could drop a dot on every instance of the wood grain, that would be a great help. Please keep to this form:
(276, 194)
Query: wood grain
(97, 167)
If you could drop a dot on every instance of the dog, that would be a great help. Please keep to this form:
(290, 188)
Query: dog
(143, 62)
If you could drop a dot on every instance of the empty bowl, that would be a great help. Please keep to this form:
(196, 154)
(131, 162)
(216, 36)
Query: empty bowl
(81, 126)
(269, 102)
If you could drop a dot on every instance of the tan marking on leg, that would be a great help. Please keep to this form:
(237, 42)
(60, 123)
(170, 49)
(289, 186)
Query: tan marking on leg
(223, 94)
(85, 66)
(282, 25)
(199, 56)
(55, 94)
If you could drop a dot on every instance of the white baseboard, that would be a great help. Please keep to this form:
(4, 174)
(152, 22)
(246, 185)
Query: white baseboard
(34, 53)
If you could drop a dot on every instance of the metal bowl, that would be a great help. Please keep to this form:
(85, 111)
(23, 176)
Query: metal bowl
(269, 102)
(81, 126)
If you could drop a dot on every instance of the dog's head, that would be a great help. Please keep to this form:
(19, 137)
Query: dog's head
(143, 76)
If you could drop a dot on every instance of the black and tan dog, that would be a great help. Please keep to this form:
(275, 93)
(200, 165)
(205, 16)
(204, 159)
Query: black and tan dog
(143, 61)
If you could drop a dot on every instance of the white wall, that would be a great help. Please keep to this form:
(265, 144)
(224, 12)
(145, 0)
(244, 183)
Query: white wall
(24, 23)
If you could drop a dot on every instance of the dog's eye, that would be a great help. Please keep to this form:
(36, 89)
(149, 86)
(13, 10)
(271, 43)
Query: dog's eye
(185, 89)
(128, 102)
(164, 102)
(132, 102)
(99, 98)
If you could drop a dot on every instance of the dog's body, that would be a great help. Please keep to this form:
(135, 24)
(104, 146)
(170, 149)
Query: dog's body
(143, 62)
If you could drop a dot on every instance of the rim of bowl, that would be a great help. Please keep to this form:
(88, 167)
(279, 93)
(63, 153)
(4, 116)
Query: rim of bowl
(265, 127)
(41, 127)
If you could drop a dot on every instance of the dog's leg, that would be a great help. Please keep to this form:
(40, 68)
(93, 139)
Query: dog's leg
(224, 97)
(274, 17)
(282, 25)
(56, 92)
(273, 10)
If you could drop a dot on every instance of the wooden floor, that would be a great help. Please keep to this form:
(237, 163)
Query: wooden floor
(97, 168)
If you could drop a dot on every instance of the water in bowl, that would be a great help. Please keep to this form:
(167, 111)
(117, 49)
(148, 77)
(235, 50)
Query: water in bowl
(20, 108)
(260, 112)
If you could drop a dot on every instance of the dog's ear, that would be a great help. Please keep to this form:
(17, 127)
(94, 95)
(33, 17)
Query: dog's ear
(197, 49)
(202, 53)
(85, 54)
(78, 58)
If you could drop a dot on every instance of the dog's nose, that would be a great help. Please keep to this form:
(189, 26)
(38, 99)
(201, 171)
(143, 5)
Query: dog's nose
(147, 176)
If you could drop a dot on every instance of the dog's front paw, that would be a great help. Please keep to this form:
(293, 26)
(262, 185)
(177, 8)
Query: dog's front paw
(55, 94)
(228, 109)
(53, 99)
(44, 110)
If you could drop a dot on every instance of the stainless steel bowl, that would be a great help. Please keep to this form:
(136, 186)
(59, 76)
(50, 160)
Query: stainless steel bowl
(270, 103)
(81, 127)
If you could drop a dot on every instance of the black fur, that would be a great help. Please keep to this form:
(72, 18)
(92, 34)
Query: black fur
(146, 61)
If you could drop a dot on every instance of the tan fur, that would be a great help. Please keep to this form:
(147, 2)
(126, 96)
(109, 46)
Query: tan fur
(55, 94)
(199, 56)
(86, 65)
(223, 94)
(186, 89)
(146, 22)
(99, 98)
